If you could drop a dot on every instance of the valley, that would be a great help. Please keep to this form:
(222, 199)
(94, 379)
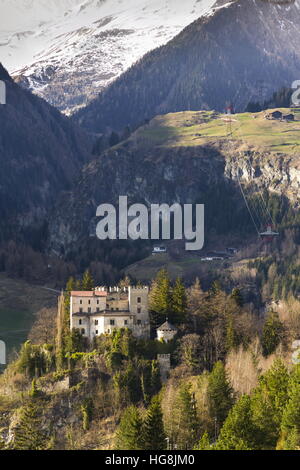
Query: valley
(121, 119)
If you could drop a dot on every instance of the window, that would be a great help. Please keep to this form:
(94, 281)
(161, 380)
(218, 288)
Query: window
(97, 302)
(125, 322)
(83, 331)
(98, 309)
(97, 332)
(81, 302)
(80, 322)
(80, 310)
(139, 310)
(112, 322)
(139, 322)
(139, 300)
(117, 309)
(89, 310)
(96, 322)
(89, 302)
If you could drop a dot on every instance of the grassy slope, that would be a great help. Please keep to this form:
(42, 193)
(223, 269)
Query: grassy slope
(19, 302)
(193, 128)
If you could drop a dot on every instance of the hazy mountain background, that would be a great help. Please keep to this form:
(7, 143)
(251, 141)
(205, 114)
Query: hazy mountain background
(68, 51)
(243, 51)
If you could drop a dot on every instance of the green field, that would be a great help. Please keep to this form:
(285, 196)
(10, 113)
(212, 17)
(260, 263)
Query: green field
(196, 128)
(185, 266)
(19, 302)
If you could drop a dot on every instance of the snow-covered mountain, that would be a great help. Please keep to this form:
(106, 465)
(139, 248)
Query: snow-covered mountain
(68, 50)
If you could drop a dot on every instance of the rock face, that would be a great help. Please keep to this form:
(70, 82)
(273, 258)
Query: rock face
(156, 174)
(41, 152)
(242, 51)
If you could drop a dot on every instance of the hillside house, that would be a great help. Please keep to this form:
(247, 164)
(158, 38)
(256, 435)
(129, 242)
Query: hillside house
(274, 115)
(288, 117)
(102, 310)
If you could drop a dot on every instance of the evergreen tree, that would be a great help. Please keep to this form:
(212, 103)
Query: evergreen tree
(291, 415)
(185, 417)
(231, 336)
(238, 431)
(160, 299)
(87, 281)
(268, 403)
(178, 302)
(154, 437)
(220, 394)
(204, 443)
(128, 435)
(272, 333)
(28, 435)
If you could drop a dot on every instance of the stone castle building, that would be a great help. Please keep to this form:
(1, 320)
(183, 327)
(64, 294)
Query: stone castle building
(166, 332)
(102, 310)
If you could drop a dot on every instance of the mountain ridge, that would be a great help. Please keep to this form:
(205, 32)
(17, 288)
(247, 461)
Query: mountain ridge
(75, 52)
(41, 152)
(242, 42)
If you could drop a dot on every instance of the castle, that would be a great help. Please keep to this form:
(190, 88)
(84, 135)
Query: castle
(103, 310)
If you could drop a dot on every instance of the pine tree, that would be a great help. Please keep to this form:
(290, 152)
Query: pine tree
(204, 443)
(238, 431)
(220, 394)
(160, 299)
(269, 400)
(87, 281)
(290, 425)
(129, 435)
(178, 302)
(186, 420)
(154, 437)
(231, 336)
(272, 333)
(28, 435)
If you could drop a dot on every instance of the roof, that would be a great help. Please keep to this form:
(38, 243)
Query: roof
(167, 326)
(78, 293)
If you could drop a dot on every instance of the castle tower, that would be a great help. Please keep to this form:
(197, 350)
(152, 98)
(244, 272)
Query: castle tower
(138, 303)
(166, 332)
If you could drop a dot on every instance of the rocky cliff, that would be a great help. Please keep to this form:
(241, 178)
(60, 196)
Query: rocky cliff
(186, 158)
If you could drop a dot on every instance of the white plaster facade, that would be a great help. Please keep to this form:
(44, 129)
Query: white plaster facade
(102, 310)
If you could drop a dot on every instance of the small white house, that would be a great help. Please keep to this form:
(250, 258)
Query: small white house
(166, 332)
(159, 249)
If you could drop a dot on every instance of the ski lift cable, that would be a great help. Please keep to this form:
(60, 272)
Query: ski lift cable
(267, 208)
(246, 201)
(267, 215)
(263, 203)
(247, 205)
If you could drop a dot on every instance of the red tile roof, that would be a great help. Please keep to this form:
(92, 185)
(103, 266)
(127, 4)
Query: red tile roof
(78, 293)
